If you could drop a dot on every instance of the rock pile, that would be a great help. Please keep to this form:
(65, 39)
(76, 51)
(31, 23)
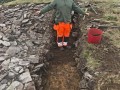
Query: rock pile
(24, 41)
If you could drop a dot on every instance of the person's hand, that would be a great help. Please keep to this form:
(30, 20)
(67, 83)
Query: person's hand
(87, 14)
(37, 13)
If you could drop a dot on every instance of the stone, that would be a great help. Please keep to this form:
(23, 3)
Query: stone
(14, 59)
(11, 65)
(32, 34)
(4, 28)
(88, 76)
(8, 23)
(12, 38)
(15, 86)
(4, 81)
(29, 23)
(3, 86)
(29, 43)
(19, 69)
(2, 50)
(24, 15)
(2, 58)
(5, 64)
(3, 75)
(18, 32)
(11, 75)
(2, 25)
(25, 21)
(1, 36)
(22, 44)
(37, 42)
(29, 86)
(75, 34)
(1, 41)
(33, 59)
(25, 77)
(38, 67)
(13, 50)
(5, 38)
(24, 63)
(0, 6)
(14, 43)
(5, 43)
(23, 37)
(25, 47)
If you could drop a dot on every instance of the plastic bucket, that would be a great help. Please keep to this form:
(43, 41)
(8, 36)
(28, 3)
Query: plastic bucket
(94, 35)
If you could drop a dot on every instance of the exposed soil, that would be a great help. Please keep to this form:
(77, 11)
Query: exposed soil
(62, 73)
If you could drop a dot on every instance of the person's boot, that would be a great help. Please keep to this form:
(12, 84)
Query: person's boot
(60, 46)
(59, 43)
(65, 45)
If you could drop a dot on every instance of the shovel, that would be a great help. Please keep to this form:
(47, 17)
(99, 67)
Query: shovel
(85, 12)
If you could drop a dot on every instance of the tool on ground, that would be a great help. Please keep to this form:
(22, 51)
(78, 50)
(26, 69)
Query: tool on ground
(93, 9)
(90, 5)
(85, 12)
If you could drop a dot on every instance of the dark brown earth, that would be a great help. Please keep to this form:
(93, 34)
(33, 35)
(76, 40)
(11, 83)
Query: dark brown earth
(62, 73)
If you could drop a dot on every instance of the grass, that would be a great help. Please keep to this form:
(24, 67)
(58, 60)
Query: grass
(27, 1)
(92, 63)
(111, 13)
(105, 0)
(114, 36)
(111, 17)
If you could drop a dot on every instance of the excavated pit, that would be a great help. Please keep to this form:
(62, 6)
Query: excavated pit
(62, 73)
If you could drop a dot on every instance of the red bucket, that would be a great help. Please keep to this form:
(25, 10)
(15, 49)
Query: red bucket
(94, 35)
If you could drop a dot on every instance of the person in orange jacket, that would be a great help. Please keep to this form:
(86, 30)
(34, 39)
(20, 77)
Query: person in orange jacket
(62, 24)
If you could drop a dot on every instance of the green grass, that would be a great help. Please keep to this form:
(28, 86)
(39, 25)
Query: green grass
(114, 36)
(105, 0)
(111, 13)
(110, 17)
(92, 63)
(27, 1)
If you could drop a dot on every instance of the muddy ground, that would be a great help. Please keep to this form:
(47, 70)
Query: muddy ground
(62, 73)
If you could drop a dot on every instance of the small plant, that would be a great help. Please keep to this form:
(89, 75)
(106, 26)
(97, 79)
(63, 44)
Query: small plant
(5, 1)
(111, 18)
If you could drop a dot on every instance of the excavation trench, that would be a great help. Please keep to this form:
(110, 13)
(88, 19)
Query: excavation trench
(62, 73)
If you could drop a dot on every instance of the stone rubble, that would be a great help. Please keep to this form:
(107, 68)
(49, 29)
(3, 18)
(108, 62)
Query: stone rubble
(24, 41)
